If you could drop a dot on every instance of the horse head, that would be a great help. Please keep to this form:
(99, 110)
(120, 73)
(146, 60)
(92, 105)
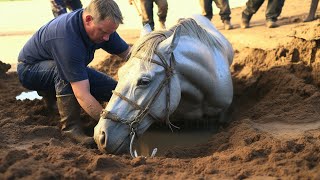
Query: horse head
(148, 90)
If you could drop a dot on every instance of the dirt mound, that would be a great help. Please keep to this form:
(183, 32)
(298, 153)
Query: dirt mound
(4, 68)
(287, 77)
(111, 65)
(274, 133)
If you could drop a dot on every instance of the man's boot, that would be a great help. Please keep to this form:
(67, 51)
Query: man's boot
(49, 99)
(69, 110)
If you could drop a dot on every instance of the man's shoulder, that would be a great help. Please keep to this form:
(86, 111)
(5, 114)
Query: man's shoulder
(66, 26)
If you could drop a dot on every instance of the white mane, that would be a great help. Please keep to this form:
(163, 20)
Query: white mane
(144, 48)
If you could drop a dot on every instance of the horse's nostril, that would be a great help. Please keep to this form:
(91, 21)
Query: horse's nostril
(102, 139)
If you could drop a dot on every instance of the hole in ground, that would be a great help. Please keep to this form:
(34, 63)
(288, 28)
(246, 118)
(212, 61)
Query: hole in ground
(191, 134)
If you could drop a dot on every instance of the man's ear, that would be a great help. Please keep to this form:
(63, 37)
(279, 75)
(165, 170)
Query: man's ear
(88, 18)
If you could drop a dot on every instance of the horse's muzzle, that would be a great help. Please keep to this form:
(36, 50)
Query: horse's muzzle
(111, 137)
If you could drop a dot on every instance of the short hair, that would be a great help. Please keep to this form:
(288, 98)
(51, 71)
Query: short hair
(103, 9)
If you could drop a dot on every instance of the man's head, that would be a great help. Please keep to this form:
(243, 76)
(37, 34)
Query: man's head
(101, 18)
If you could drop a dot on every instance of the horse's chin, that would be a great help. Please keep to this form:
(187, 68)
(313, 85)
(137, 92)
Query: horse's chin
(114, 137)
(123, 148)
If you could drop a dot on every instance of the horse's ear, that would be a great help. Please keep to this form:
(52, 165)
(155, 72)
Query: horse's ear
(145, 30)
(170, 43)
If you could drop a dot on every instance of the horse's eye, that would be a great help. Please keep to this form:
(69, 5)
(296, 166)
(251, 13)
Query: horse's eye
(143, 81)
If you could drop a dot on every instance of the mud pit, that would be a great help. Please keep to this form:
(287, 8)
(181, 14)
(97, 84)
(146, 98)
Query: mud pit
(274, 130)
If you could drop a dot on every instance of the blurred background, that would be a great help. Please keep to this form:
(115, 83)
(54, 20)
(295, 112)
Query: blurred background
(19, 19)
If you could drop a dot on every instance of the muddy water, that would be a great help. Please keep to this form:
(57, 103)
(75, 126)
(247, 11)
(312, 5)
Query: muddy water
(165, 140)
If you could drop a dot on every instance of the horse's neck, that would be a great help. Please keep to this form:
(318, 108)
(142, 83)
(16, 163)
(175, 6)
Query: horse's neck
(202, 71)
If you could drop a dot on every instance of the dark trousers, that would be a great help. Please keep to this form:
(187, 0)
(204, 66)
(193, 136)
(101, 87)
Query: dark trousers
(44, 76)
(223, 5)
(59, 7)
(273, 11)
(147, 11)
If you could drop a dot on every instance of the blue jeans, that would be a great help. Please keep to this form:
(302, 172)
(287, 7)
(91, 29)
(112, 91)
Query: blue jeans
(44, 76)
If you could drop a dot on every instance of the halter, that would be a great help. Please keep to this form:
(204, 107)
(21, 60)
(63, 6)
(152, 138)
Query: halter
(145, 110)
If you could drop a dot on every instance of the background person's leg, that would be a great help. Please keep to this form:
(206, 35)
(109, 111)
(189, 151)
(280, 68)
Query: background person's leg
(224, 7)
(312, 11)
(73, 4)
(206, 8)
(162, 12)
(147, 12)
(58, 7)
(252, 6)
(274, 9)
(224, 13)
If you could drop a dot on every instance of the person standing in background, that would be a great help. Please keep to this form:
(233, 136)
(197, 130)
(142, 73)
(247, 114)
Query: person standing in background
(312, 11)
(224, 13)
(147, 12)
(273, 11)
(59, 7)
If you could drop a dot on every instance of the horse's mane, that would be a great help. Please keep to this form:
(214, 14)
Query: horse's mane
(145, 46)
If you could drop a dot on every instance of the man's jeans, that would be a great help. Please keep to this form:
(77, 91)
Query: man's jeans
(44, 76)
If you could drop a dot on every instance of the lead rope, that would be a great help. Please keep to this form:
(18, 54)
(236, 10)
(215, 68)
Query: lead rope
(140, 116)
(134, 153)
(168, 122)
(145, 111)
(166, 81)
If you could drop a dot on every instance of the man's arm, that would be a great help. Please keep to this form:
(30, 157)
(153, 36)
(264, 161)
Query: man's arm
(125, 54)
(81, 90)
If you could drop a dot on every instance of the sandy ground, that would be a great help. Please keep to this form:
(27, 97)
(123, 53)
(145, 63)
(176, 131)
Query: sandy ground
(274, 133)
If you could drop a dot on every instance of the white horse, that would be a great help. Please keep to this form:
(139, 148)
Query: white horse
(184, 71)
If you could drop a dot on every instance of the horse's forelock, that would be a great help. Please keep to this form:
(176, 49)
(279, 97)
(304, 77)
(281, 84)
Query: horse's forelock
(145, 46)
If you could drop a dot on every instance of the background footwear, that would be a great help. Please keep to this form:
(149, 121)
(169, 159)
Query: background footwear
(162, 25)
(272, 24)
(227, 25)
(245, 24)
